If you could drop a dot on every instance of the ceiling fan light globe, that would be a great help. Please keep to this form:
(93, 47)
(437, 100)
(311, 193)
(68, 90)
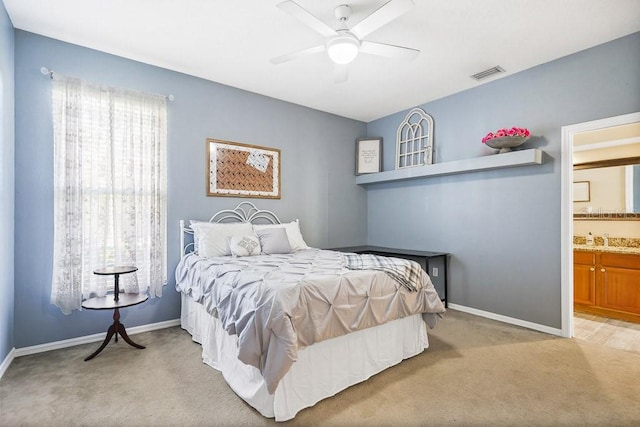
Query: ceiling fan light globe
(343, 49)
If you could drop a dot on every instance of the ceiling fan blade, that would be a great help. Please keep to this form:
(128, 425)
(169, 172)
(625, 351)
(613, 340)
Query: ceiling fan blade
(297, 11)
(340, 73)
(299, 54)
(385, 14)
(388, 50)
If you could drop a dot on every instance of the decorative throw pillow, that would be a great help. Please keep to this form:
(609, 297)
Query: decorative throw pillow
(274, 241)
(211, 238)
(244, 245)
(293, 233)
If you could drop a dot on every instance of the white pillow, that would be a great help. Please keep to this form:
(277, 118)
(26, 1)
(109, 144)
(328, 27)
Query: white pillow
(211, 238)
(293, 233)
(244, 245)
(274, 240)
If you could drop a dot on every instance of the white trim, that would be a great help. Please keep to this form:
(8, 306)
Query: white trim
(6, 362)
(628, 188)
(566, 209)
(566, 231)
(41, 348)
(507, 319)
(607, 144)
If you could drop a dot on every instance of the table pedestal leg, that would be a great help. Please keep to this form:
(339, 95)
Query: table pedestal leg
(115, 329)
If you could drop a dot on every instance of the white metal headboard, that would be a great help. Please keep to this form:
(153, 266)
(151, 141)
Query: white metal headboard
(244, 212)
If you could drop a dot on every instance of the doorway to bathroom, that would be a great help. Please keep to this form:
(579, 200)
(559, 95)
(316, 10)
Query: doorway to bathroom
(582, 215)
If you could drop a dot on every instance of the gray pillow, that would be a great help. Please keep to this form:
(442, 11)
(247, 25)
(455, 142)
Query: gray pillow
(274, 241)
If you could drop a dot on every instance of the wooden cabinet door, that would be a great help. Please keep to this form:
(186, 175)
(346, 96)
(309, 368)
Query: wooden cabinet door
(584, 284)
(618, 278)
(584, 278)
(620, 289)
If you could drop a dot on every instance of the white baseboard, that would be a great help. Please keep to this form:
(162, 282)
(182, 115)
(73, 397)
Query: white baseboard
(91, 338)
(507, 319)
(6, 362)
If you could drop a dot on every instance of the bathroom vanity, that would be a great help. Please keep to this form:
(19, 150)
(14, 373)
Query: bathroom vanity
(607, 281)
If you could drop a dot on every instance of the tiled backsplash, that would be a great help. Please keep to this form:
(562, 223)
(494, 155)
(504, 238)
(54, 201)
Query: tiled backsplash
(613, 241)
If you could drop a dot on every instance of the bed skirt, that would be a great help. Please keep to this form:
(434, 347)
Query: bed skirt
(321, 371)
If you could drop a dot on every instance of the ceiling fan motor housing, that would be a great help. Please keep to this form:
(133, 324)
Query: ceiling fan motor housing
(342, 12)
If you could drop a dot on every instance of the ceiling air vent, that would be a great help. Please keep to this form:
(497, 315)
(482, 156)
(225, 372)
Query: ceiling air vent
(488, 73)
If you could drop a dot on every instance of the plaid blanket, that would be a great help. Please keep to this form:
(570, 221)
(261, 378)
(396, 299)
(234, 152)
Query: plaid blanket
(407, 273)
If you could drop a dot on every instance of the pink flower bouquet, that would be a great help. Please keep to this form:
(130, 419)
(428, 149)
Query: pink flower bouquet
(522, 132)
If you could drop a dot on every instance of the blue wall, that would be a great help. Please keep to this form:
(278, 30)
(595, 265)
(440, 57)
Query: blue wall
(6, 183)
(503, 227)
(318, 184)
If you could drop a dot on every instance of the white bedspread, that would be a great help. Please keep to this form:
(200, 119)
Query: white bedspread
(278, 304)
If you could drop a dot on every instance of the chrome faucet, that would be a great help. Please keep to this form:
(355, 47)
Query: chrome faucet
(605, 236)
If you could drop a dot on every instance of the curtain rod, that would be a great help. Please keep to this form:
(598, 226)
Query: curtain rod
(47, 72)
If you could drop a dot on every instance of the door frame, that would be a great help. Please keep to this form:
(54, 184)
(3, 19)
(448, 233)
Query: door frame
(566, 209)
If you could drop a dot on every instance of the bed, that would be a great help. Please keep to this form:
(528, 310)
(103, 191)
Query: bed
(288, 325)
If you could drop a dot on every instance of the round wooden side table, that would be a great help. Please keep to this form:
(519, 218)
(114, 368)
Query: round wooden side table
(114, 302)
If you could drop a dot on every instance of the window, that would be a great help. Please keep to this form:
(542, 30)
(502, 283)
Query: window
(415, 140)
(110, 190)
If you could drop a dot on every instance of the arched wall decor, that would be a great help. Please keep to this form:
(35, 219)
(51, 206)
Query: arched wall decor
(415, 140)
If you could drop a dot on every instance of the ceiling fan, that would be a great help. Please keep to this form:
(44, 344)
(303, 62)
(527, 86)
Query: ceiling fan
(344, 44)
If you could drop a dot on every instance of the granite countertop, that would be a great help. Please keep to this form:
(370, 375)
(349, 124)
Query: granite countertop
(614, 249)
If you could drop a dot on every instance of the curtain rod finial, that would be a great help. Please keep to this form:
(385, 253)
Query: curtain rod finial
(46, 72)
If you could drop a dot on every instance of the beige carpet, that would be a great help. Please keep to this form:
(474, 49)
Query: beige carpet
(477, 372)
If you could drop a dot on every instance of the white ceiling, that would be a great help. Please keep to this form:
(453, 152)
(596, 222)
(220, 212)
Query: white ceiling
(231, 42)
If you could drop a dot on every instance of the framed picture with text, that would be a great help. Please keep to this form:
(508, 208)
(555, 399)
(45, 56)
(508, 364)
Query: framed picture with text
(368, 155)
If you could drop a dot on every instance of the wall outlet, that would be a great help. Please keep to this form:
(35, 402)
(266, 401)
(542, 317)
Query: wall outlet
(434, 271)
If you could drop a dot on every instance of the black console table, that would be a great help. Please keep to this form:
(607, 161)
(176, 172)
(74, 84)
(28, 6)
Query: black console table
(406, 254)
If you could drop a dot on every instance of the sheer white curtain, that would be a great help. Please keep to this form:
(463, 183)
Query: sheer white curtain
(110, 190)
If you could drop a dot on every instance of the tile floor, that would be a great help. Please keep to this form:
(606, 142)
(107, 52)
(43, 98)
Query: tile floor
(608, 332)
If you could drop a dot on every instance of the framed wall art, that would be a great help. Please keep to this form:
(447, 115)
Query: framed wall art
(581, 191)
(242, 170)
(414, 140)
(368, 155)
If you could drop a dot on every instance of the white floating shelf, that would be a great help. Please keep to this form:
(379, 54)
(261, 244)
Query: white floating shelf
(495, 161)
